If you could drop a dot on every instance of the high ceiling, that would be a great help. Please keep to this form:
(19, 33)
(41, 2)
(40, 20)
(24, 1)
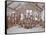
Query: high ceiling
(21, 6)
(14, 5)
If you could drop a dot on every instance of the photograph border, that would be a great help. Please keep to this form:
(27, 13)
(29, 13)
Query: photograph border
(6, 18)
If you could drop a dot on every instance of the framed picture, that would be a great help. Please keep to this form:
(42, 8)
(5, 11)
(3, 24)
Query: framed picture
(24, 17)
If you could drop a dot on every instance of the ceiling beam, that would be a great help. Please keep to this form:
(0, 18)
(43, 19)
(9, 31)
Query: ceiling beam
(9, 4)
(37, 7)
(17, 6)
(10, 8)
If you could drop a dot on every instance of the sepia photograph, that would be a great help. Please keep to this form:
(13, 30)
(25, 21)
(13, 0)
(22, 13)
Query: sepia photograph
(25, 17)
